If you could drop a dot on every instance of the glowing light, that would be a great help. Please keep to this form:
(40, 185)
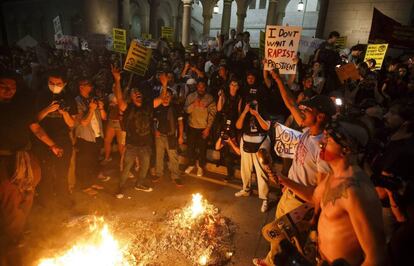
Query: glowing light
(100, 249)
(301, 6)
(197, 208)
(203, 260)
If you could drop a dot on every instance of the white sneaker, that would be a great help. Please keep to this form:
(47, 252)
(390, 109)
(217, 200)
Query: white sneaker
(189, 169)
(200, 171)
(242, 193)
(265, 206)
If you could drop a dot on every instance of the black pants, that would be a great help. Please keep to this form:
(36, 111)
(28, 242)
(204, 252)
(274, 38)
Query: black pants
(197, 146)
(87, 161)
(228, 158)
(54, 182)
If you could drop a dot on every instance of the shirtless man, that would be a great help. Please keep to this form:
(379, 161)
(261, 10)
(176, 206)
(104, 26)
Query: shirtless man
(350, 225)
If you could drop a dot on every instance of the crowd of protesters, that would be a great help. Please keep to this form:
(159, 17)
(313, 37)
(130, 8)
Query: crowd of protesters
(79, 103)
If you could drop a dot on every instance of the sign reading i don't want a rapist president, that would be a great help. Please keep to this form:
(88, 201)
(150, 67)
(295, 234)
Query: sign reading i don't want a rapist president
(281, 47)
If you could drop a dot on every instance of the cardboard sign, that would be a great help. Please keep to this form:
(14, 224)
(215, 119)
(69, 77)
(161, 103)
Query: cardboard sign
(119, 40)
(341, 42)
(138, 58)
(286, 140)
(146, 36)
(167, 33)
(67, 42)
(281, 46)
(377, 52)
(348, 71)
(307, 47)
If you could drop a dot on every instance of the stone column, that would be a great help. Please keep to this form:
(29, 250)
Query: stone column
(126, 15)
(323, 10)
(208, 7)
(186, 22)
(225, 19)
(153, 25)
(271, 12)
(240, 22)
(242, 6)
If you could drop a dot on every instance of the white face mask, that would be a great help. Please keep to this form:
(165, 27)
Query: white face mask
(56, 89)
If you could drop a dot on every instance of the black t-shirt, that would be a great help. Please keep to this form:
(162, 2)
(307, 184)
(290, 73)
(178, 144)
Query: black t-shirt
(53, 123)
(251, 126)
(138, 124)
(15, 119)
(166, 119)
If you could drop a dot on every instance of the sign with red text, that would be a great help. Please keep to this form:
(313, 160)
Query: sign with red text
(281, 47)
(67, 42)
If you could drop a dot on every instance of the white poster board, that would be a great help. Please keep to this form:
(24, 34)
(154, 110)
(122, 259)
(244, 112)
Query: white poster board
(281, 46)
(307, 47)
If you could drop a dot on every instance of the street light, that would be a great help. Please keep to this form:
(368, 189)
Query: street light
(301, 6)
(216, 9)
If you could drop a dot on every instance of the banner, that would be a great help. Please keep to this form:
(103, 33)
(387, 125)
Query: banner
(119, 40)
(138, 58)
(167, 33)
(386, 30)
(67, 42)
(348, 71)
(341, 42)
(377, 52)
(286, 140)
(281, 46)
(146, 36)
(307, 47)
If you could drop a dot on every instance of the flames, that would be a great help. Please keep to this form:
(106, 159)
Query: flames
(100, 249)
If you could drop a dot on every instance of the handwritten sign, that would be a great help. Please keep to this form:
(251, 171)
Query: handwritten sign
(67, 42)
(58, 28)
(377, 52)
(286, 140)
(281, 46)
(341, 42)
(138, 58)
(119, 40)
(167, 33)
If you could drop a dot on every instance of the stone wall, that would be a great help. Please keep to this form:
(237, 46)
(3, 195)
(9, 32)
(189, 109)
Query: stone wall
(352, 18)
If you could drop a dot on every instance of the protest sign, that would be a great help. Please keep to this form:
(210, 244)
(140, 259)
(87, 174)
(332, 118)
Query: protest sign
(307, 47)
(58, 28)
(341, 42)
(26, 42)
(286, 140)
(138, 58)
(167, 33)
(281, 46)
(119, 40)
(348, 71)
(146, 36)
(377, 52)
(67, 42)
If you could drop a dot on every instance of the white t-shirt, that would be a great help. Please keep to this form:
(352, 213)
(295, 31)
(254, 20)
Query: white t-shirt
(95, 125)
(306, 161)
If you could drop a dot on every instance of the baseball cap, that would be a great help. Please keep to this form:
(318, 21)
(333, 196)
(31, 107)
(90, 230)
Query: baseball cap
(321, 103)
(348, 134)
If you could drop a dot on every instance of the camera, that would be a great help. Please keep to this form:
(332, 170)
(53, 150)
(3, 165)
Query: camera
(62, 105)
(225, 134)
(253, 104)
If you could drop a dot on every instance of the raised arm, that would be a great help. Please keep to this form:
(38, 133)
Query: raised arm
(116, 73)
(288, 99)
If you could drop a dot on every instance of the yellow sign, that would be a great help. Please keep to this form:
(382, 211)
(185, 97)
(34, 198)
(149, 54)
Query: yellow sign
(377, 52)
(341, 42)
(119, 40)
(138, 58)
(146, 36)
(167, 33)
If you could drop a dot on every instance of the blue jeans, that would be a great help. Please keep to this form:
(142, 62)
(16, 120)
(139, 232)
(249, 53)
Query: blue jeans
(144, 155)
(161, 146)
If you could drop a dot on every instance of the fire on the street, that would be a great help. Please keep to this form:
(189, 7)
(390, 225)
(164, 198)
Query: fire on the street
(197, 231)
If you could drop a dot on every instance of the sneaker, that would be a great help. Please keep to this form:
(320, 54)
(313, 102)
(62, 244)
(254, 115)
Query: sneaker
(265, 206)
(200, 171)
(143, 188)
(130, 175)
(259, 262)
(90, 191)
(106, 161)
(103, 178)
(119, 195)
(178, 182)
(189, 169)
(242, 193)
(228, 179)
(155, 178)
